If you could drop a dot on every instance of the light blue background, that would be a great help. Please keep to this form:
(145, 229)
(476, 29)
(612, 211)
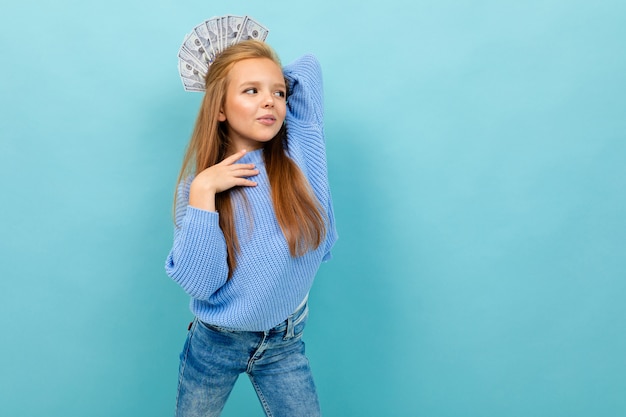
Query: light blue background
(477, 157)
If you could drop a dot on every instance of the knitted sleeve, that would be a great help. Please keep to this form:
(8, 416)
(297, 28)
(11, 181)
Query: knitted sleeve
(197, 260)
(305, 133)
(305, 103)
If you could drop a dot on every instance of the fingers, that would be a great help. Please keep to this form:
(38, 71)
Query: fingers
(227, 174)
(244, 175)
(244, 182)
(233, 158)
(247, 170)
(239, 171)
(237, 177)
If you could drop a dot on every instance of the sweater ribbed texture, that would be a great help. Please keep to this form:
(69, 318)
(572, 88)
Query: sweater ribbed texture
(268, 283)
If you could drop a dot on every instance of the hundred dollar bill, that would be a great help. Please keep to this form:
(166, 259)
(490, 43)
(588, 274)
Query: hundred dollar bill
(251, 29)
(192, 85)
(233, 26)
(186, 56)
(223, 32)
(194, 47)
(214, 36)
(203, 34)
(186, 70)
(217, 26)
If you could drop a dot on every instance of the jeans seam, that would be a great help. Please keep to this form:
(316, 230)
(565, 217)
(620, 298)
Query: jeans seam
(259, 393)
(258, 352)
(184, 364)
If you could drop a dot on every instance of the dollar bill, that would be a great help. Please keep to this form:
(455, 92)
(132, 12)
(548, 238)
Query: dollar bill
(185, 55)
(223, 32)
(214, 35)
(187, 70)
(233, 26)
(194, 47)
(192, 85)
(203, 34)
(251, 29)
(207, 40)
(218, 31)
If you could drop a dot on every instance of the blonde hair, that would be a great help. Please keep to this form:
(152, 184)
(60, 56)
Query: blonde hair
(299, 214)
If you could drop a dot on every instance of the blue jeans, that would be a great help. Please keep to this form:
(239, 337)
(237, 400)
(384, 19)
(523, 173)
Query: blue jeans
(213, 358)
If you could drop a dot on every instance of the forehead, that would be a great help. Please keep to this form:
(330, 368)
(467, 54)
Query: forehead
(256, 70)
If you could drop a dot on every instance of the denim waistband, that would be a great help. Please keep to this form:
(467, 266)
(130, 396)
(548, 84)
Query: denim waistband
(294, 319)
(286, 326)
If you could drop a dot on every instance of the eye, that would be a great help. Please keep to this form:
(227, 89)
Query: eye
(251, 90)
(280, 94)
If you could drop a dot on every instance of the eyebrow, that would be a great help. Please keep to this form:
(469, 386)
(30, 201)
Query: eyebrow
(256, 83)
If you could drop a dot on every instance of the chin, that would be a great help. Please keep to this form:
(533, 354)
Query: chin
(266, 139)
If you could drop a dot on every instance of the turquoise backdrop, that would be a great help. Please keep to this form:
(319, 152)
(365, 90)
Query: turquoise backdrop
(477, 154)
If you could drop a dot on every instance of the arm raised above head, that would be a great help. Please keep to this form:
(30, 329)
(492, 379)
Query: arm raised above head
(305, 131)
(305, 103)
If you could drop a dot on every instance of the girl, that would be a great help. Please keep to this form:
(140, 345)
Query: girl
(254, 220)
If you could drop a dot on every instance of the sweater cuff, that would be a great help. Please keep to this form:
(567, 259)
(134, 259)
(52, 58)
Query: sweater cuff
(198, 216)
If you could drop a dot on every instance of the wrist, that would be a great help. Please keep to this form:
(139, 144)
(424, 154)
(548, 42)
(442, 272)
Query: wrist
(202, 197)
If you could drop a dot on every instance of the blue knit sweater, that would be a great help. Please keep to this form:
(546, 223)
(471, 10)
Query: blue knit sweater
(268, 283)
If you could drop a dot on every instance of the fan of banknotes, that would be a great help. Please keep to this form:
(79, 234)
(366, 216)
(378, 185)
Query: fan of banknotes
(207, 40)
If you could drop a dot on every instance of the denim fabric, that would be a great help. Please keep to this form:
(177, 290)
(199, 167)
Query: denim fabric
(213, 357)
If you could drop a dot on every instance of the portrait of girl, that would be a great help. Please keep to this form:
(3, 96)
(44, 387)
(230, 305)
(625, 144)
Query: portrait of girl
(253, 222)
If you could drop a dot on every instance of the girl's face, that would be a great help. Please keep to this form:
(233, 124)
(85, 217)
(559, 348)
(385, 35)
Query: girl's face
(255, 105)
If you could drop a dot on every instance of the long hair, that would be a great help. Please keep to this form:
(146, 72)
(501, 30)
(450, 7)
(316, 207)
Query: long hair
(299, 214)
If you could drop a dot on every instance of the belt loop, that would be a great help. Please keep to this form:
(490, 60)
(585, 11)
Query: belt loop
(289, 332)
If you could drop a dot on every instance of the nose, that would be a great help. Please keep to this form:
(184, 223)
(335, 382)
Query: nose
(268, 101)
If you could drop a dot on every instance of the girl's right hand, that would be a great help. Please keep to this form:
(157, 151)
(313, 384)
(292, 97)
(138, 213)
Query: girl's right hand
(220, 177)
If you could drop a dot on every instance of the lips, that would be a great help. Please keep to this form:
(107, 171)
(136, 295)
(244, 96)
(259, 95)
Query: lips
(268, 119)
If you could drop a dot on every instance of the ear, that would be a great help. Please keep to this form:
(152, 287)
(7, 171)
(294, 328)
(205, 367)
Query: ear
(221, 116)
